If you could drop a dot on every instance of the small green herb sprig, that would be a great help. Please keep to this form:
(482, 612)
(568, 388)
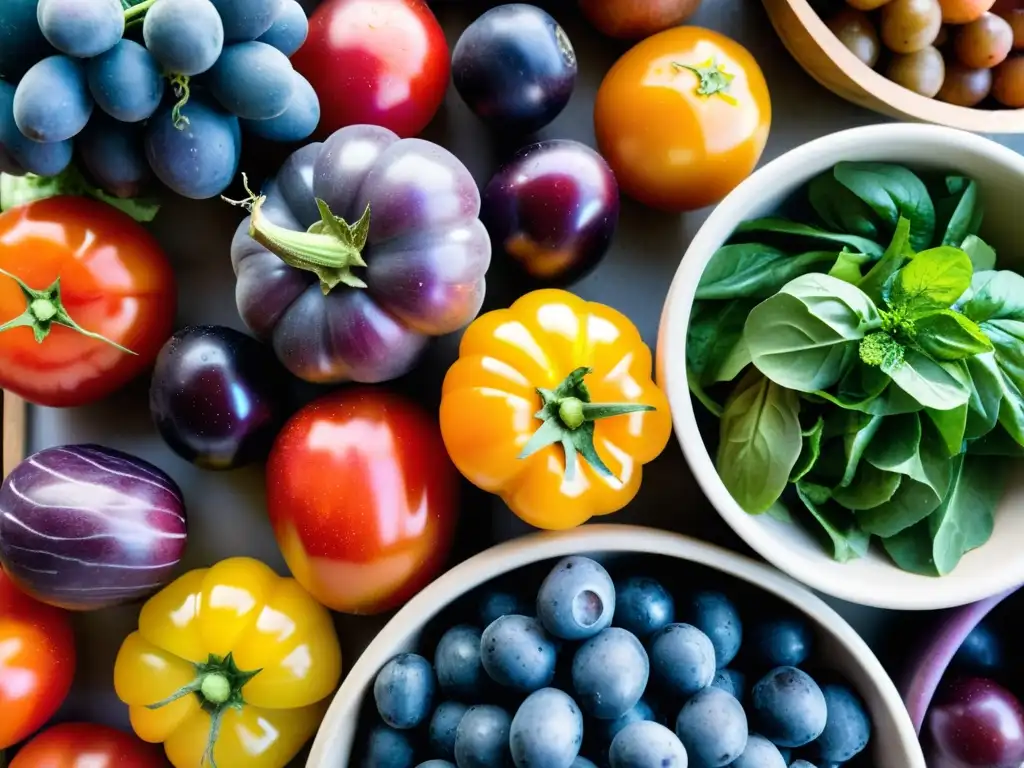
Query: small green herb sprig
(878, 361)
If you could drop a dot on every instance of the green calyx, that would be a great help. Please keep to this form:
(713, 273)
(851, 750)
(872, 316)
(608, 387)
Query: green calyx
(331, 248)
(711, 78)
(44, 309)
(568, 418)
(218, 687)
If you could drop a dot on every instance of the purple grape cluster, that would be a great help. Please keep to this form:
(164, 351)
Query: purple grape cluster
(144, 88)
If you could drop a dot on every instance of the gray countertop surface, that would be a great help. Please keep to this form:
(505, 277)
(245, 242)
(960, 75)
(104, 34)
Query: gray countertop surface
(226, 510)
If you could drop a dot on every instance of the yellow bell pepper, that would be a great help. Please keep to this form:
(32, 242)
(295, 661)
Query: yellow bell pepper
(551, 405)
(231, 665)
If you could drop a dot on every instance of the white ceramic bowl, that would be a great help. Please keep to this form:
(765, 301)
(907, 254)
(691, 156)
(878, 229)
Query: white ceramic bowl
(894, 741)
(873, 580)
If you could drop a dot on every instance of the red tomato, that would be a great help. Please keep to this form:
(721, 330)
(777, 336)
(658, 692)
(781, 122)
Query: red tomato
(363, 499)
(382, 62)
(114, 281)
(86, 745)
(37, 662)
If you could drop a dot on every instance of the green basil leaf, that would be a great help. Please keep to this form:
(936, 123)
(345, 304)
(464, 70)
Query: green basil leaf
(804, 337)
(752, 270)
(898, 448)
(870, 488)
(986, 395)
(964, 520)
(948, 335)
(994, 295)
(951, 425)
(892, 192)
(714, 341)
(932, 280)
(841, 210)
(785, 227)
(856, 441)
(911, 549)
(895, 256)
(760, 442)
(810, 452)
(847, 541)
(848, 266)
(959, 214)
(779, 511)
(981, 254)
(933, 384)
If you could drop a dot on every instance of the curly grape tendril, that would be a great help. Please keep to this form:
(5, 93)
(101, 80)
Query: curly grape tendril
(135, 13)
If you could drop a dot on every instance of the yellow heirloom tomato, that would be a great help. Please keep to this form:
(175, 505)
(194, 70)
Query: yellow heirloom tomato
(543, 384)
(231, 666)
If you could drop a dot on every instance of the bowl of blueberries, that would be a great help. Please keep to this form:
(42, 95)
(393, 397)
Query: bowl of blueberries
(620, 647)
(965, 687)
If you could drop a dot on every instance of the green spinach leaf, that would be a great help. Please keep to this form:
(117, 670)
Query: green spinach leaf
(868, 390)
(856, 430)
(779, 511)
(933, 384)
(964, 520)
(892, 191)
(911, 549)
(785, 227)
(870, 488)
(847, 540)
(996, 443)
(810, 452)
(804, 337)
(714, 346)
(981, 254)
(959, 213)
(841, 210)
(932, 280)
(986, 381)
(848, 266)
(951, 425)
(895, 256)
(760, 441)
(752, 270)
(948, 335)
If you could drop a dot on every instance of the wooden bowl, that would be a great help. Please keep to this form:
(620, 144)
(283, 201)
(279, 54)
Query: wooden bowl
(828, 61)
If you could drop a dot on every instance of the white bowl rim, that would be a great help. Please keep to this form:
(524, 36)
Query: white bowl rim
(935, 593)
(606, 538)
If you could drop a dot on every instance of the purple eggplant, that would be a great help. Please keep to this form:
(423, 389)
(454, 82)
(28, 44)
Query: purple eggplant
(217, 396)
(85, 527)
(976, 723)
(553, 208)
(357, 252)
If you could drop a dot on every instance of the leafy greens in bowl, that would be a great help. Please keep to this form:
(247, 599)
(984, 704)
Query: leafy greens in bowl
(856, 365)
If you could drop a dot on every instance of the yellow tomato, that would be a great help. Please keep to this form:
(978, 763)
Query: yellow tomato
(682, 118)
(231, 665)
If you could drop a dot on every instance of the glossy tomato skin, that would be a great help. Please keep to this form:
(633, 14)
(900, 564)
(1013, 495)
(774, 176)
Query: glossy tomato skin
(363, 499)
(377, 62)
(87, 745)
(37, 662)
(114, 281)
(672, 147)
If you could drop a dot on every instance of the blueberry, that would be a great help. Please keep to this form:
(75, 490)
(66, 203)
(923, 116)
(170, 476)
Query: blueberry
(732, 682)
(602, 732)
(482, 738)
(609, 673)
(788, 707)
(801, 764)
(457, 663)
(387, 748)
(715, 615)
(444, 723)
(760, 753)
(436, 764)
(516, 652)
(980, 652)
(577, 599)
(494, 604)
(642, 606)
(646, 745)
(781, 643)
(787, 754)
(404, 691)
(547, 730)
(682, 659)
(847, 727)
(582, 762)
(713, 728)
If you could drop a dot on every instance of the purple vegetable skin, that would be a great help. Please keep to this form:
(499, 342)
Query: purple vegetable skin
(344, 302)
(553, 207)
(85, 527)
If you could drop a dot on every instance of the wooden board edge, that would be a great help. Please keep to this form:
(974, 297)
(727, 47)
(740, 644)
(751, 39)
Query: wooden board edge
(15, 431)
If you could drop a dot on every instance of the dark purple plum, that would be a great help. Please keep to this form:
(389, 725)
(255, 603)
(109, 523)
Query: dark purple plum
(217, 396)
(976, 723)
(85, 527)
(397, 254)
(553, 208)
(515, 68)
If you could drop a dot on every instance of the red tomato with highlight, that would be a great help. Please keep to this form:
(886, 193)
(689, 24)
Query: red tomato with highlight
(37, 662)
(363, 499)
(381, 62)
(87, 745)
(114, 282)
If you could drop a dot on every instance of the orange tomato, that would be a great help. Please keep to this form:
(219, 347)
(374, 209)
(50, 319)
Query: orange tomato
(87, 745)
(37, 662)
(682, 118)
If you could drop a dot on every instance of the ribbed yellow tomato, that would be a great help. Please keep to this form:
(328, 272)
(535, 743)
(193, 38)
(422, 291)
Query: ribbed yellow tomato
(231, 665)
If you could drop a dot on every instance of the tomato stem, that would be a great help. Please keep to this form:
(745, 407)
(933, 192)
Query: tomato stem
(568, 417)
(330, 248)
(44, 309)
(711, 78)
